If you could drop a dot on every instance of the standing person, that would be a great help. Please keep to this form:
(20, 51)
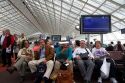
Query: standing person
(100, 53)
(22, 38)
(86, 66)
(3, 54)
(24, 56)
(16, 46)
(8, 47)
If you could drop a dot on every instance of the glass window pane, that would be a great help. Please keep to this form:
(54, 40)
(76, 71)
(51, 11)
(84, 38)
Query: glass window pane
(78, 4)
(118, 35)
(93, 3)
(65, 11)
(66, 6)
(118, 15)
(120, 1)
(75, 10)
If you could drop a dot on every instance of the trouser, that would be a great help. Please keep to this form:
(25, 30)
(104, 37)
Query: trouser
(21, 65)
(32, 64)
(86, 68)
(8, 58)
(3, 54)
(99, 63)
(58, 64)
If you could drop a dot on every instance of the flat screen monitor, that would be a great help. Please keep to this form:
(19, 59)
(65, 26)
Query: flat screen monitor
(95, 24)
(56, 37)
(123, 31)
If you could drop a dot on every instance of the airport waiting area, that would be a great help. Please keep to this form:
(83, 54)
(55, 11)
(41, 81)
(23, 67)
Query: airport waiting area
(62, 41)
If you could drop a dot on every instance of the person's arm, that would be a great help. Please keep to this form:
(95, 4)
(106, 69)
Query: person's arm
(58, 51)
(51, 54)
(90, 54)
(12, 41)
(69, 54)
(20, 53)
(74, 53)
(30, 56)
(105, 52)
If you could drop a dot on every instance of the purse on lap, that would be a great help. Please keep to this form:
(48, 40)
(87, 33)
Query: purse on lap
(84, 56)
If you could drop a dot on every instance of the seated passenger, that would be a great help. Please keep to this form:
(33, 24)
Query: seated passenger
(99, 53)
(46, 56)
(36, 49)
(24, 56)
(63, 55)
(86, 66)
(119, 47)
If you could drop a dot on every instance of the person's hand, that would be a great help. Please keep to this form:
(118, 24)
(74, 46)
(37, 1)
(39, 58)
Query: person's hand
(64, 49)
(78, 57)
(45, 61)
(9, 47)
(90, 58)
(67, 61)
(97, 57)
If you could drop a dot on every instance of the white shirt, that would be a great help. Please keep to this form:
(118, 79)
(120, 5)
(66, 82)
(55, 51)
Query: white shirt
(2, 39)
(99, 52)
(21, 54)
(82, 50)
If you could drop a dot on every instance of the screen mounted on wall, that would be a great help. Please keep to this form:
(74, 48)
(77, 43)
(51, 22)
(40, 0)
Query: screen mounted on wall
(56, 37)
(95, 24)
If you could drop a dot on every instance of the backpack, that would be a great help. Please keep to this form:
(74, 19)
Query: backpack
(41, 68)
(64, 76)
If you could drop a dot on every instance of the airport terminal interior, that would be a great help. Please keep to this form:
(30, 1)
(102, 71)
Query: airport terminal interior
(62, 21)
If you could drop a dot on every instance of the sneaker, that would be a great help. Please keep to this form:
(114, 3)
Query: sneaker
(99, 80)
(11, 69)
(113, 80)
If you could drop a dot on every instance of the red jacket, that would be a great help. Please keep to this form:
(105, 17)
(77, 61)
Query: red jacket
(8, 40)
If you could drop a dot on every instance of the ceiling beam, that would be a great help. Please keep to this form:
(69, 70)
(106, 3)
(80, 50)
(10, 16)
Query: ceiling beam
(22, 8)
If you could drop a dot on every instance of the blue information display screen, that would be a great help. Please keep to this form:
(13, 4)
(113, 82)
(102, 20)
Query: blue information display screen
(95, 24)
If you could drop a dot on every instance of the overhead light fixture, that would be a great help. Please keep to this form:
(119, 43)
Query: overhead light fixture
(77, 27)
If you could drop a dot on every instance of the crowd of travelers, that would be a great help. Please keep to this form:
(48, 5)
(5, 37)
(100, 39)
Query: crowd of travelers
(54, 55)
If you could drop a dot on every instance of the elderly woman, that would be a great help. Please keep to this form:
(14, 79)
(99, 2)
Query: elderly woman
(100, 53)
(24, 56)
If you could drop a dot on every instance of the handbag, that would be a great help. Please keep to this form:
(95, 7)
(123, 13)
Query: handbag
(105, 69)
(65, 76)
(84, 56)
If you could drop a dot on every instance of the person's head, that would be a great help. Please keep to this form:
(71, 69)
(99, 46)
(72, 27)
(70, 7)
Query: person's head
(42, 42)
(77, 43)
(98, 44)
(7, 31)
(119, 42)
(82, 44)
(4, 31)
(64, 44)
(36, 43)
(22, 35)
(25, 44)
(49, 42)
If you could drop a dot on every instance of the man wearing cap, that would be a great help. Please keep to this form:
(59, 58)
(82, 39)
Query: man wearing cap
(63, 52)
